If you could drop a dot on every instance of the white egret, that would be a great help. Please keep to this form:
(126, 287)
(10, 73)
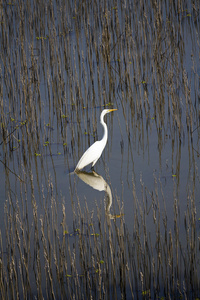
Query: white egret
(93, 153)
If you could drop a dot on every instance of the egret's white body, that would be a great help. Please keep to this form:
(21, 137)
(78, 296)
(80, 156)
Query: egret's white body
(93, 153)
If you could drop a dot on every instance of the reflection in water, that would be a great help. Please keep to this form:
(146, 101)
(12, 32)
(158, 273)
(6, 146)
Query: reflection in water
(97, 182)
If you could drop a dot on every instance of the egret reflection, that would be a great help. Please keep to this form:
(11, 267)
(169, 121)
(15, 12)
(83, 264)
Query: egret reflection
(97, 182)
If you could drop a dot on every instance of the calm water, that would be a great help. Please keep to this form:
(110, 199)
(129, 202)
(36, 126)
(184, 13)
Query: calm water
(62, 63)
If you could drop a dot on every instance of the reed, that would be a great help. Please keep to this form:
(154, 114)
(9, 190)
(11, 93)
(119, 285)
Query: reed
(99, 258)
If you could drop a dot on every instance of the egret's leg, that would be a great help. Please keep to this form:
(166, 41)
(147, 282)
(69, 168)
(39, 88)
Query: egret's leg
(94, 162)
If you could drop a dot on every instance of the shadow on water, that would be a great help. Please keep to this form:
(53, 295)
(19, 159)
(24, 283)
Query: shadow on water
(136, 232)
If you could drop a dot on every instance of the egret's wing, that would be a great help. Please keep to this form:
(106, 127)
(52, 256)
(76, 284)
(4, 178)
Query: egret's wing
(91, 154)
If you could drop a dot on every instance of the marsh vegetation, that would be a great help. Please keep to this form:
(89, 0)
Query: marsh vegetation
(131, 228)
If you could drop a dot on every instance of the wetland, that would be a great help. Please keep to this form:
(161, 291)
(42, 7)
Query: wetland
(130, 228)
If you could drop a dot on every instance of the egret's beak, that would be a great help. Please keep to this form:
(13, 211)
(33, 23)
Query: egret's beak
(112, 109)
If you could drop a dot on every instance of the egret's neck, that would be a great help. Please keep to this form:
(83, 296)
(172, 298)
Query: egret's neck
(105, 134)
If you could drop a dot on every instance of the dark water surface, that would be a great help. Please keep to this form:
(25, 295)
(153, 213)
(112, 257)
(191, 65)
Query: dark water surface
(130, 228)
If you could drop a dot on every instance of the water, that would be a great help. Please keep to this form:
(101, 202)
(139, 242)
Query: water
(131, 229)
